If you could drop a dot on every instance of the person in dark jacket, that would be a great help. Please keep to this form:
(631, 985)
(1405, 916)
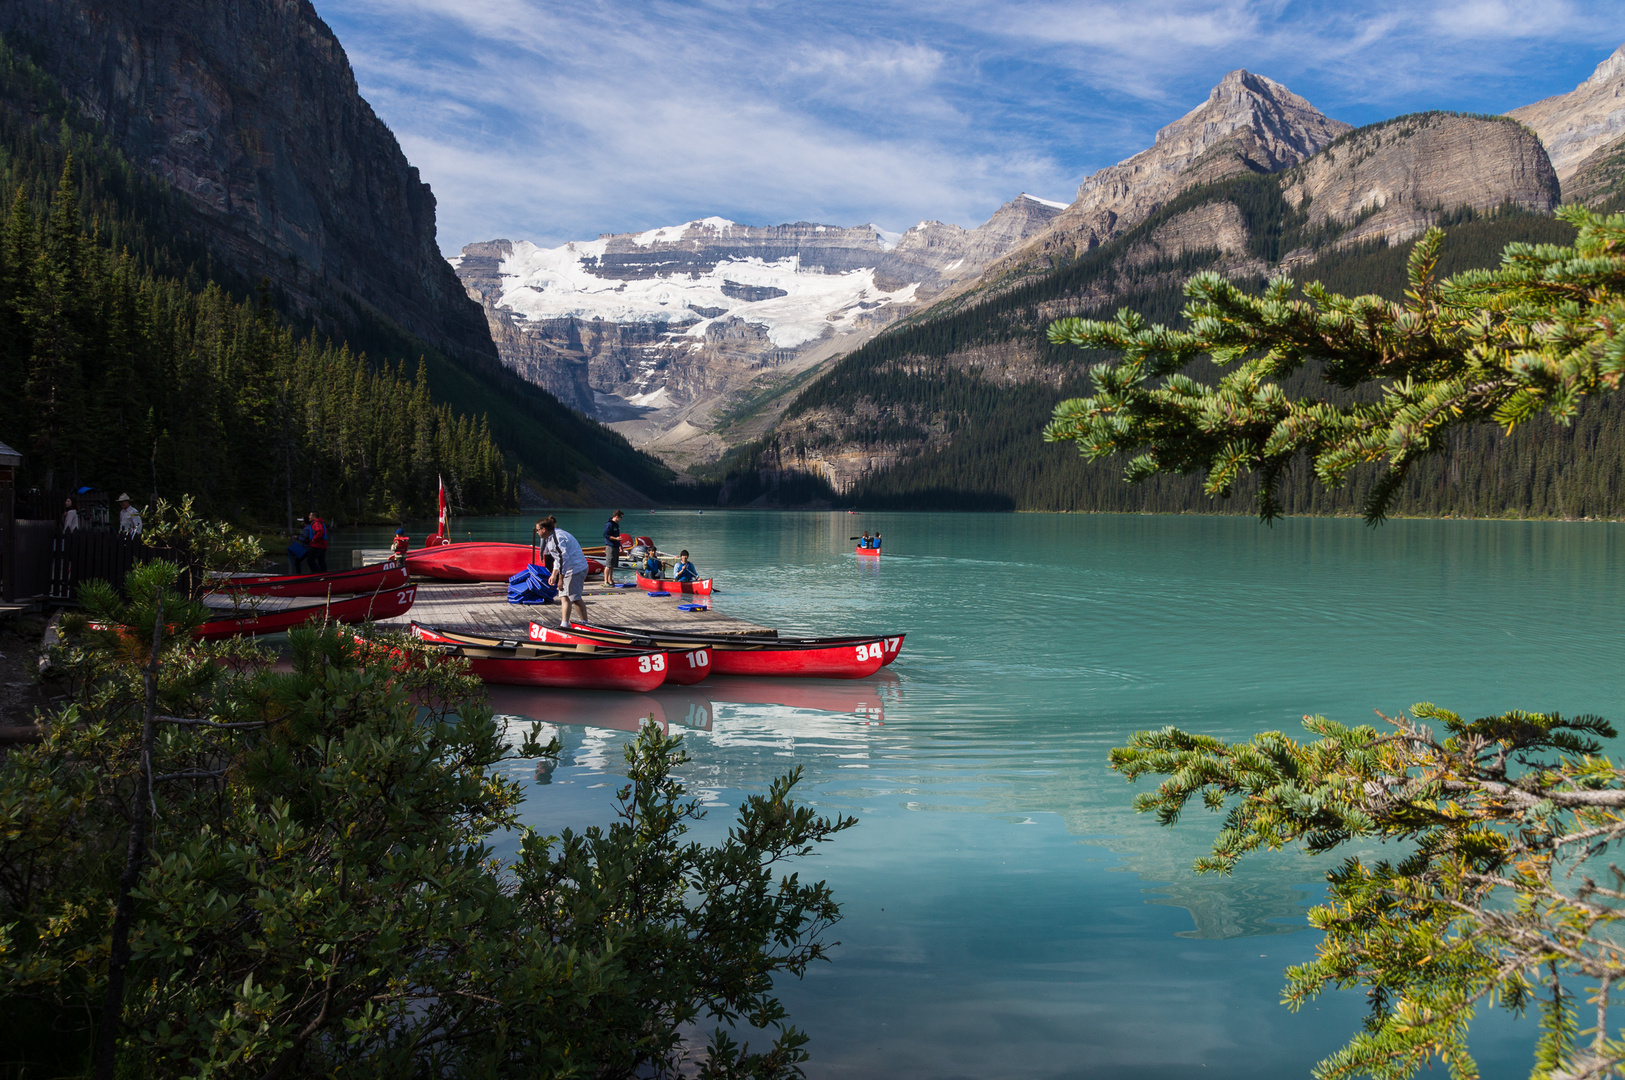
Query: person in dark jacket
(299, 549)
(612, 546)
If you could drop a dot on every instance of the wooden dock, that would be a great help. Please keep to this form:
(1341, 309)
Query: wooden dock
(484, 609)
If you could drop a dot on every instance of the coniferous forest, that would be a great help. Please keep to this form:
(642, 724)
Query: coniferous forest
(115, 377)
(134, 359)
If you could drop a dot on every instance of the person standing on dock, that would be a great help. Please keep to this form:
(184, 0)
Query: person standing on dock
(569, 566)
(317, 543)
(612, 547)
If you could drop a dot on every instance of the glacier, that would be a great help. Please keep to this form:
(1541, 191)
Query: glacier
(562, 282)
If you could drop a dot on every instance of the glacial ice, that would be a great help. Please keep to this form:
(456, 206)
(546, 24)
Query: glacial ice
(553, 283)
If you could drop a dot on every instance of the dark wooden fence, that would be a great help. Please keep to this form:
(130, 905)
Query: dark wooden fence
(31, 563)
(89, 555)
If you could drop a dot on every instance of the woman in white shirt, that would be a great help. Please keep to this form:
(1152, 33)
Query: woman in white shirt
(569, 565)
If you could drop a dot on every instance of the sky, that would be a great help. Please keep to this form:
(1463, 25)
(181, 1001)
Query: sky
(557, 120)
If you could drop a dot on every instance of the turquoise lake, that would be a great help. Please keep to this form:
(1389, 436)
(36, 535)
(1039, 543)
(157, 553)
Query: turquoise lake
(1006, 914)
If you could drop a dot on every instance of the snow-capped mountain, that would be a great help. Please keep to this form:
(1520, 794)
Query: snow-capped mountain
(652, 331)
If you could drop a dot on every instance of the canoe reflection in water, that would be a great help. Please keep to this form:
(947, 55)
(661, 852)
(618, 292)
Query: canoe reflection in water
(693, 708)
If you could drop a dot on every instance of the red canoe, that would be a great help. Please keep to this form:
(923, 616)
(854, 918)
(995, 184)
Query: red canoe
(685, 588)
(279, 613)
(684, 667)
(891, 644)
(518, 663)
(477, 560)
(841, 658)
(379, 577)
(869, 551)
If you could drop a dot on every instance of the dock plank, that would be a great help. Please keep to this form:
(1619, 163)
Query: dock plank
(484, 609)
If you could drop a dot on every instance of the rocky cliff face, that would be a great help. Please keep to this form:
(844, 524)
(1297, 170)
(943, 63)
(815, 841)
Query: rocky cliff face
(1392, 180)
(1576, 124)
(1248, 124)
(250, 110)
(652, 331)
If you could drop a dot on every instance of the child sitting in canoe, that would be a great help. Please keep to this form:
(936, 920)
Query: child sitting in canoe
(865, 541)
(684, 570)
(651, 567)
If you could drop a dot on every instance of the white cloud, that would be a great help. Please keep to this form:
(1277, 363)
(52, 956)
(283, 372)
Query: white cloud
(550, 120)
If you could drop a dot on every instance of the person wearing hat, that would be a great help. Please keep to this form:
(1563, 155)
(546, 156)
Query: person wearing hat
(129, 518)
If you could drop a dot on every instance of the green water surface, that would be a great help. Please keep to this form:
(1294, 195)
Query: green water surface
(1006, 914)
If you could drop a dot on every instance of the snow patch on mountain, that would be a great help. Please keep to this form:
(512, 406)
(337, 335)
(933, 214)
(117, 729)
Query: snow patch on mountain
(670, 233)
(801, 305)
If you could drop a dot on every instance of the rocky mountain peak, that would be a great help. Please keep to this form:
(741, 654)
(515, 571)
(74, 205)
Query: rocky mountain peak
(1609, 69)
(1260, 122)
(1576, 124)
(1249, 123)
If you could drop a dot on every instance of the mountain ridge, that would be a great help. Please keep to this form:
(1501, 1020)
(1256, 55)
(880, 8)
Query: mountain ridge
(657, 331)
(919, 391)
(1249, 123)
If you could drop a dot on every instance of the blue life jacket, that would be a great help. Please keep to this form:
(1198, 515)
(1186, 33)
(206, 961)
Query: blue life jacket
(531, 586)
(686, 572)
(651, 567)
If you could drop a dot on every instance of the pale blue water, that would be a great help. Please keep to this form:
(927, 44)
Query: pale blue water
(1006, 914)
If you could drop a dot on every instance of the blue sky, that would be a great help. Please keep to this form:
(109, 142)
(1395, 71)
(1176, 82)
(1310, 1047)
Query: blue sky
(553, 120)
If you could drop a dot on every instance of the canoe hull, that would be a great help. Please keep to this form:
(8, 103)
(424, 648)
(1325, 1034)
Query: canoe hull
(680, 588)
(477, 561)
(356, 609)
(684, 667)
(868, 552)
(379, 577)
(891, 644)
(624, 670)
(834, 662)
(608, 671)
(842, 658)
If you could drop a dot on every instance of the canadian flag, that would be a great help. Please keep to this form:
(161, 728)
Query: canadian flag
(445, 532)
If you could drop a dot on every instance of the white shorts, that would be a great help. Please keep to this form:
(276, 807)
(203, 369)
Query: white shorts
(570, 583)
